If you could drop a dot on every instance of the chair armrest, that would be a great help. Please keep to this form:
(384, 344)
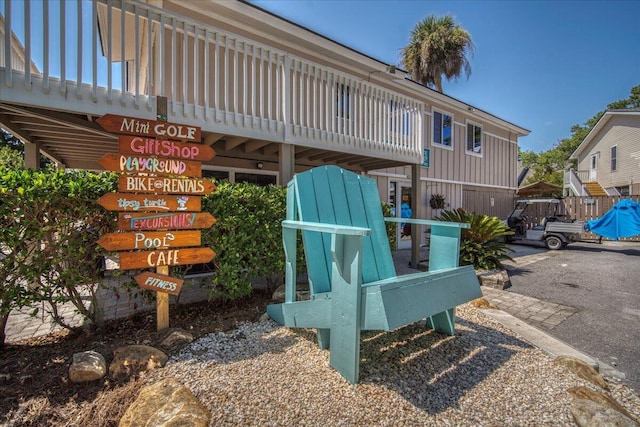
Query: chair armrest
(428, 222)
(345, 230)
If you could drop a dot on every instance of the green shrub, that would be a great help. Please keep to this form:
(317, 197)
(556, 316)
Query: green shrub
(483, 244)
(247, 236)
(50, 222)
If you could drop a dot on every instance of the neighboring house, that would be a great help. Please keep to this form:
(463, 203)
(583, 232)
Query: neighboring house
(608, 157)
(272, 98)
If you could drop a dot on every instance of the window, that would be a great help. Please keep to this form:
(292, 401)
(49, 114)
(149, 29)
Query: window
(442, 129)
(614, 158)
(474, 138)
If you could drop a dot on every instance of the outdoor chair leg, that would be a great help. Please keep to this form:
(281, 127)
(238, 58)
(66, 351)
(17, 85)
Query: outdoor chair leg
(443, 322)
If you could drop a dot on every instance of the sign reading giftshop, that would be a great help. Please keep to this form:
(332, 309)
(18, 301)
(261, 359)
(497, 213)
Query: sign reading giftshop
(136, 145)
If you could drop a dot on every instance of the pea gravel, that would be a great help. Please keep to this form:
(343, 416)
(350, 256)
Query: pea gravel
(261, 374)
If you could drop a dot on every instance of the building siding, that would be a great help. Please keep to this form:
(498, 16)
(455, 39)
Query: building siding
(622, 131)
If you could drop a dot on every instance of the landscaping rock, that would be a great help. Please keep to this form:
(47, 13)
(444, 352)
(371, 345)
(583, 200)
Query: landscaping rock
(87, 366)
(302, 292)
(582, 369)
(498, 279)
(133, 359)
(581, 392)
(587, 413)
(166, 403)
(482, 303)
(176, 337)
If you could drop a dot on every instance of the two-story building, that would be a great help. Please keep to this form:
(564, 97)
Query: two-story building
(608, 157)
(272, 98)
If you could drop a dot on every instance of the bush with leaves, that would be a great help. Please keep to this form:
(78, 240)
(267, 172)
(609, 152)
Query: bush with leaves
(50, 222)
(483, 245)
(247, 236)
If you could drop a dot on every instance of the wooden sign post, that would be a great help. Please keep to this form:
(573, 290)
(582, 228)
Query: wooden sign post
(160, 190)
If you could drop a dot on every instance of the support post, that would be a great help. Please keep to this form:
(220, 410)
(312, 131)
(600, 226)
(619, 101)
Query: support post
(162, 303)
(32, 155)
(418, 212)
(287, 162)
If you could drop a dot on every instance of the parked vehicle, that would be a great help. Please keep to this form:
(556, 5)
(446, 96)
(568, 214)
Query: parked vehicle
(535, 221)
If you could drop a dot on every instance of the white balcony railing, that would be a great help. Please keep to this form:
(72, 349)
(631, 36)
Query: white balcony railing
(220, 81)
(573, 180)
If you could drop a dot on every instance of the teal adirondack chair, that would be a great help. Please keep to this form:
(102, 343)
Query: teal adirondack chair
(352, 278)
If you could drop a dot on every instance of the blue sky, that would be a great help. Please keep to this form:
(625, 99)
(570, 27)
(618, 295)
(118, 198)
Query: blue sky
(543, 65)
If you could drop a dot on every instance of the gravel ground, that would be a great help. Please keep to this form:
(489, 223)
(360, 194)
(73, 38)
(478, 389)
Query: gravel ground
(264, 374)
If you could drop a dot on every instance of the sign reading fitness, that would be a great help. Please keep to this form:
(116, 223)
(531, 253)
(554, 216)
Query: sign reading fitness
(158, 197)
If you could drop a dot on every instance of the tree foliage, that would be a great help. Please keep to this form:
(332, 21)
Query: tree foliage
(437, 47)
(548, 166)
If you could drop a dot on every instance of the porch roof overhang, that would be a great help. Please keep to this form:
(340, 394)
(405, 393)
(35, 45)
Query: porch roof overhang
(539, 188)
(78, 142)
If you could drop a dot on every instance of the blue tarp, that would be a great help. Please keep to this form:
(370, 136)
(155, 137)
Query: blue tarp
(622, 220)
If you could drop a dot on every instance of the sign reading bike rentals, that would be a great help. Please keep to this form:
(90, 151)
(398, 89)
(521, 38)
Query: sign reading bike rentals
(158, 197)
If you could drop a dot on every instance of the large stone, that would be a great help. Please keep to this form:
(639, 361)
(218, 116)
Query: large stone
(581, 392)
(87, 366)
(302, 292)
(176, 337)
(133, 359)
(587, 413)
(163, 404)
(582, 369)
(498, 279)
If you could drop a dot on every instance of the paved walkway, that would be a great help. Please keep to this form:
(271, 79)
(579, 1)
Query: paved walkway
(539, 313)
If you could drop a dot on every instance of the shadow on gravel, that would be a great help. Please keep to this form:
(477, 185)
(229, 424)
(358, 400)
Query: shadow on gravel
(430, 370)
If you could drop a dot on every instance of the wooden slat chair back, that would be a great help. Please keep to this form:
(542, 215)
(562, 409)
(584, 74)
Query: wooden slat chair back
(352, 277)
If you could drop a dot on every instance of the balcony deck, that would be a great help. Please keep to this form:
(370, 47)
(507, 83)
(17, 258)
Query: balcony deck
(250, 99)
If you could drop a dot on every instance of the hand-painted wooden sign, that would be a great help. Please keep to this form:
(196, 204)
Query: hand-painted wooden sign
(159, 283)
(169, 221)
(149, 203)
(154, 165)
(164, 185)
(151, 128)
(137, 145)
(147, 259)
(150, 240)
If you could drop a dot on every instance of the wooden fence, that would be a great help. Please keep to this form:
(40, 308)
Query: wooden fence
(581, 209)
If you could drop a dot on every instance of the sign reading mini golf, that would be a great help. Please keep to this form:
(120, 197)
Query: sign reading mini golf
(158, 201)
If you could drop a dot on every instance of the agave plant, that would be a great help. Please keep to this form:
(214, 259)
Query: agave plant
(483, 245)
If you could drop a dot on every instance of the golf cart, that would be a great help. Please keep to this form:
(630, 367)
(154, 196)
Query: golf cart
(536, 221)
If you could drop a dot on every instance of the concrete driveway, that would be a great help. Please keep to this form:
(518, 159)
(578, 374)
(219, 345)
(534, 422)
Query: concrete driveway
(602, 282)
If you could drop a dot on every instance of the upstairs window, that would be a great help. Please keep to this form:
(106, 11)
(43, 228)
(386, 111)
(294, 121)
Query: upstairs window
(614, 158)
(474, 138)
(442, 129)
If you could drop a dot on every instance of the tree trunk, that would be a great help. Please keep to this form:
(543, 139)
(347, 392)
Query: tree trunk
(3, 323)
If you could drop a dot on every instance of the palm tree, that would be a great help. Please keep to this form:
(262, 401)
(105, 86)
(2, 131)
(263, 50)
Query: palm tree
(438, 46)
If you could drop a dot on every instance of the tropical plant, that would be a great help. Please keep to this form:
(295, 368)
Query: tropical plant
(437, 47)
(436, 201)
(483, 244)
